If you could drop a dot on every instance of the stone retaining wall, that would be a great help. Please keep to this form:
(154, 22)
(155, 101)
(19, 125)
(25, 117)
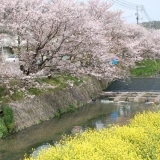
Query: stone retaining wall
(32, 111)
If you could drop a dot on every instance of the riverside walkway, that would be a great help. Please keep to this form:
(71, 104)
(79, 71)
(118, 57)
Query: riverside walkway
(135, 90)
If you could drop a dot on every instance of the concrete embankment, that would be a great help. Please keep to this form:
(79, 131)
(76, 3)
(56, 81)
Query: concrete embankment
(32, 111)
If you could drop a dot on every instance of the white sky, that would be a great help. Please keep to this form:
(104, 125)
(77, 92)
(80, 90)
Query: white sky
(152, 7)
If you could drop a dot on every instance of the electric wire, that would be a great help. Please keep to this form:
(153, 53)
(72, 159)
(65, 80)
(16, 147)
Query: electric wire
(133, 15)
(123, 4)
(131, 6)
(128, 3)
(146, 14)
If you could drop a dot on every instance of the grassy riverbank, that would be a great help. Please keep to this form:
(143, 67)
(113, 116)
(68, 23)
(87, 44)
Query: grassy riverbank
(137, 141)
(147, 67)
(18, 89)
(12, 90)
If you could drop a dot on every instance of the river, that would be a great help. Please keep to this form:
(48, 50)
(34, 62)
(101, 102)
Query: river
(150, 84)
(98, 115)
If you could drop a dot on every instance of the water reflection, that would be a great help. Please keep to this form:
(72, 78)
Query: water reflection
(77, 129)
(99, 125)
(39, 149)
(96, 115)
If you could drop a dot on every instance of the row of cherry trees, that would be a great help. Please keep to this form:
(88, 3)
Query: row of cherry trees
(80, 38)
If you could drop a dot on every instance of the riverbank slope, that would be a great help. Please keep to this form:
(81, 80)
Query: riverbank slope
(31, 111)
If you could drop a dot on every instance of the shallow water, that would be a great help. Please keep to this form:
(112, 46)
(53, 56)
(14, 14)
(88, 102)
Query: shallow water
(95, 115)
(150, 84)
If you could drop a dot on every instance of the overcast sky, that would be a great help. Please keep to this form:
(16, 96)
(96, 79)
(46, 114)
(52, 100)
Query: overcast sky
(152, 8)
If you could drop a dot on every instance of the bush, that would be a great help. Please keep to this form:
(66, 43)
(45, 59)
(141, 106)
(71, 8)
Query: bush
(8, 117)
(71, 108)
(3, 128)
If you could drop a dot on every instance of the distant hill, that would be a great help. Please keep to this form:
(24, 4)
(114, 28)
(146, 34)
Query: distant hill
(152, 24)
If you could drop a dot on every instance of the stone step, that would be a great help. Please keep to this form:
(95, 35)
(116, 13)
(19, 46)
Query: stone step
(139, 97)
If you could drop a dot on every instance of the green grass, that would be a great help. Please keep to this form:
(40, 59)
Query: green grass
(3, 90)
(3, 129)
(71, 108)
(74, 79)
(58, 82)
(60, 112)
(17, 96)
(35, 91)
(52, 81)
(5, 99)
(146, 67)
(8, 117)
(60, 78)
(6, 121)
(5, 95)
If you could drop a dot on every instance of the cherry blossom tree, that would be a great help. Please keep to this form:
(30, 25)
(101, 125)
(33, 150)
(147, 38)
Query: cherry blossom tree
(80, 38)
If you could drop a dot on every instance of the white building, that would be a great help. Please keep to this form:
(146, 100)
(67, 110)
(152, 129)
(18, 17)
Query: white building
(7, 42)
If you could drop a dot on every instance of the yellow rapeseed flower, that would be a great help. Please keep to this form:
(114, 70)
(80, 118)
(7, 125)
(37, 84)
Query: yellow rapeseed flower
(140, 140)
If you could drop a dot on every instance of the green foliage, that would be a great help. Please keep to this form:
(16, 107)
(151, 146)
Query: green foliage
(56, 82)
(5, 99)
(6, 121)
(5, 95)
(60, 80)
(40, 121)
(61, 86)
(8, 117)
(3, 90)
(75, 80)
(17, 96)
(35, 91)
(146, 67)
(52, 81)
(3, 128)
(71, 108)
(58, 113)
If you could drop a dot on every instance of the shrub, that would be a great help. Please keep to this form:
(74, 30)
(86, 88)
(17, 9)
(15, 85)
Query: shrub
(71, 108)
(3, 128)
(8, 117)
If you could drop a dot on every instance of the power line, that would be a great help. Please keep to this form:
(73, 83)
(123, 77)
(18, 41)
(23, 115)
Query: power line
(146, 14)
(132, 6)
(133, 15)
(124, 5)
(128, 3)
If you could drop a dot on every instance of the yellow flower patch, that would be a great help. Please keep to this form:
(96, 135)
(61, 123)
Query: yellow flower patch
(140, 140)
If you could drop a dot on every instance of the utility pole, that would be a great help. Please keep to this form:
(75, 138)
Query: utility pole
(137, 15)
